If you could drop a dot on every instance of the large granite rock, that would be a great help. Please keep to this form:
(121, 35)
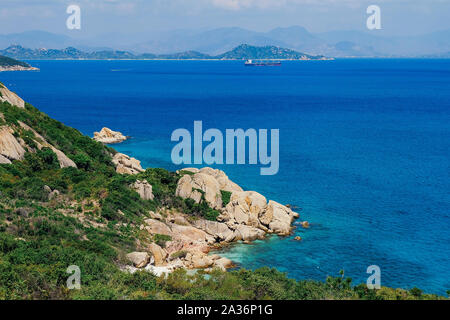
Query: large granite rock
(223, 263)
(144, 189)
(64, 161)
(206, 181)
(244, 208)
(193, 186)
(247, 216)
(158, 253)
(139, 259)
(198, 260)
(190, 234)
(109, 136)
(11, 97)
(282, 218)
(157, 227)
(126, 165)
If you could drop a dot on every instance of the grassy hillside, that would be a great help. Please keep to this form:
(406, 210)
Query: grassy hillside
(94, 222)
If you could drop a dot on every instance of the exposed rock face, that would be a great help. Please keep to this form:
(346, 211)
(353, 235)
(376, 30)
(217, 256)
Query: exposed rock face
(190, 234)
(10, 147)
(109, 136)
(247, 216)
(64, 161)
(126, 165)
(282, 218)
(17, 68)
(11, 97)
(4, 160)
(206, 181)
(144, 189)
(139, 259)
(245, 207)
(218, 230)
(159, 254)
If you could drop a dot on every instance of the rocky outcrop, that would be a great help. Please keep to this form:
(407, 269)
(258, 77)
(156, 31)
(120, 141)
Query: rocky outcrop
(10, 147)
(157, 227)
(126, 165)
(207, 183)
(223, 263)
(4, 160)
(109, 136)
(158, 253)
(139, 259)
(63, 160)
(11, 97)
(144, 189)
(247, 216)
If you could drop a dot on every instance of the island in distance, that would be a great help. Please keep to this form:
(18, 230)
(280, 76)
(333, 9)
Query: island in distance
(10, 64)
(242, 52)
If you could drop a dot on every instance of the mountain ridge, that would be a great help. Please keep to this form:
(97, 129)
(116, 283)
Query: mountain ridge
(218, 40)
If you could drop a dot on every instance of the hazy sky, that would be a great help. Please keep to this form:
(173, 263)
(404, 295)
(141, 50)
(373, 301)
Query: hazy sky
(147, 16)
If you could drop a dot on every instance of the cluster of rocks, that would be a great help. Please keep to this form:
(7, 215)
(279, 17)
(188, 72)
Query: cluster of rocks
(109, 136)
(247, 216)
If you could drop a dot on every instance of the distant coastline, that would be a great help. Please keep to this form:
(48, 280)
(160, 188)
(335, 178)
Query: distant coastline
(242, 52)
(10, 64)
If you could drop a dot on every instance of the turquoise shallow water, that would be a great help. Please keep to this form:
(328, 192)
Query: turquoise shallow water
(364, 149)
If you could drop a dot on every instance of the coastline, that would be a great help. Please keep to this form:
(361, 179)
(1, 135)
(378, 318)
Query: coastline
(18, 68)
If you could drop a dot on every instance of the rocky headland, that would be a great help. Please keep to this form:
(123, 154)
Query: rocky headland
(244, 216)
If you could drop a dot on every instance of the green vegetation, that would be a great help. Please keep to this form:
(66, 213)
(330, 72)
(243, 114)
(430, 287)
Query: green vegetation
(10, 62)
(95, 221)
(226, 195)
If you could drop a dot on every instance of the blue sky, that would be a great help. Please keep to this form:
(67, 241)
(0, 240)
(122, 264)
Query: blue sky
(399, 17)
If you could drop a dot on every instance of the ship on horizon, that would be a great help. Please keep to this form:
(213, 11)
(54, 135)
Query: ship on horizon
(259, 63)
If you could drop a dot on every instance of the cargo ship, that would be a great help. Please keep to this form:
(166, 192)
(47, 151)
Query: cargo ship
(251, 63)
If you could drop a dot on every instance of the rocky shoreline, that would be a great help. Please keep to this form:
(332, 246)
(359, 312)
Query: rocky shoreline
(244, 216)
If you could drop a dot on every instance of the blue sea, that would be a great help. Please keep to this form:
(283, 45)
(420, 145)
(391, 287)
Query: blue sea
(364, 149)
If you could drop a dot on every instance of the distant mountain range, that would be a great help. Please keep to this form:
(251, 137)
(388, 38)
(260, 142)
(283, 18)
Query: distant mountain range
(241, 52)
(216, 41)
